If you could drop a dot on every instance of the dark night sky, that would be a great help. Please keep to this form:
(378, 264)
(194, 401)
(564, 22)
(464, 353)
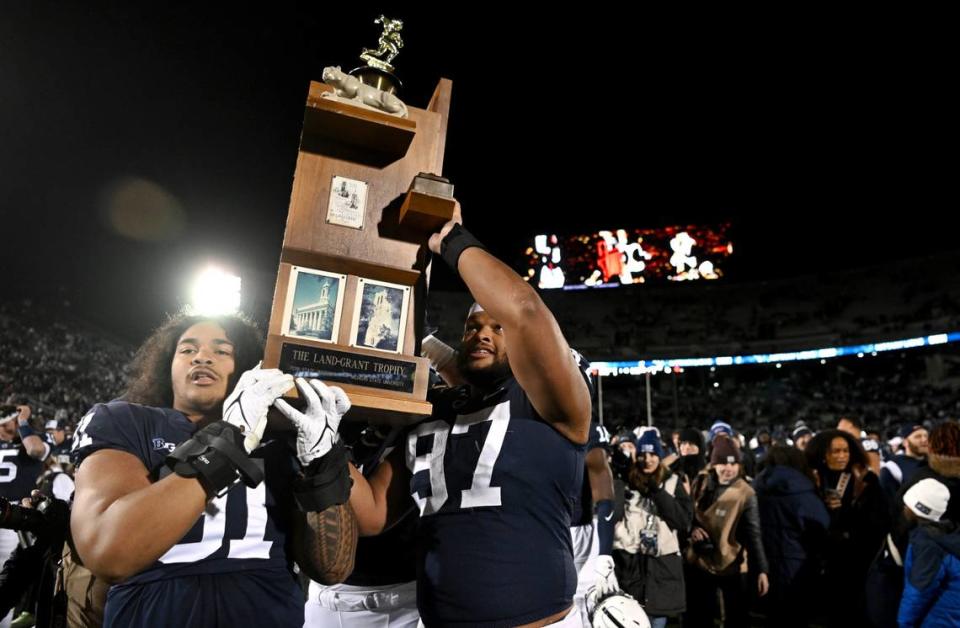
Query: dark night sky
(826, 146)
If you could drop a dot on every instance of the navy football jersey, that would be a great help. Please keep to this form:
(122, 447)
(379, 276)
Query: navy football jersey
(497, 487)
(18, 471)
(390, 557)
(599, 438)
(242, 538)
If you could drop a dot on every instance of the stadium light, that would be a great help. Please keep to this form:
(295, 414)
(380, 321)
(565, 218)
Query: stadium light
(215, 292)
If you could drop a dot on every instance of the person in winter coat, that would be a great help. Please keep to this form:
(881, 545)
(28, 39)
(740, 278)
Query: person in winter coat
(646, 545)
(726, 550)
(931, 593)
(859, 521)
(794, 523)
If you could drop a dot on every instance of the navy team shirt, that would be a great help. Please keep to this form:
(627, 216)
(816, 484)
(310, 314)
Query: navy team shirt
(19, 471)
(232, 567)
(497, 488)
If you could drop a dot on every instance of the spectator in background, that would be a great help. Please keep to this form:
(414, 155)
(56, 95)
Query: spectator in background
(901, 467)
(657, 512)
(931, 594)
(726, 551)
(794, 522)
(801, 436)
(858, 522)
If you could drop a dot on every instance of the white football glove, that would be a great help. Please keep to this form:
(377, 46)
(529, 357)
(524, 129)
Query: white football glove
(246, 407)
(606, 580)
(317, 427)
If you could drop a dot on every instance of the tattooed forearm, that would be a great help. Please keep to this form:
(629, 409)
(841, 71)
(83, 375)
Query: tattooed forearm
(326, 543)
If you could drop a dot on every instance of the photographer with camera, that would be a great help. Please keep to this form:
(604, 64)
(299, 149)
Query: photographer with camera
(22, 452)
(646, 545)
(28, 578)
(726, 550)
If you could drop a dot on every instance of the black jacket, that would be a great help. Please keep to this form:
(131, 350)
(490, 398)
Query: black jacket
(794, 522)
(857, 528)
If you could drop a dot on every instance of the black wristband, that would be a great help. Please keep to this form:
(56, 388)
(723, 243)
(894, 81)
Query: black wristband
(26, 430)
(216, 457)
(326, 482)
(455, 243)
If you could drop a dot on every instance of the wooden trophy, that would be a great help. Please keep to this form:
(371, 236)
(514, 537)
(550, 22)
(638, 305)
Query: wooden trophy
(349, 302)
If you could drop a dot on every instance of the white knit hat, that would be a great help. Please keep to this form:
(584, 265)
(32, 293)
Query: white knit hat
(927, 499)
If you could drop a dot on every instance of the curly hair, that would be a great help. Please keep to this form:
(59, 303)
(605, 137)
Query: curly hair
(149, 382)
(819, 445)
(945, 439)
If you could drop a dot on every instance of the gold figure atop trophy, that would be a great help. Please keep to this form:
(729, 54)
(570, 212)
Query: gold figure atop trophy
(390, 45)
(378, 72)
